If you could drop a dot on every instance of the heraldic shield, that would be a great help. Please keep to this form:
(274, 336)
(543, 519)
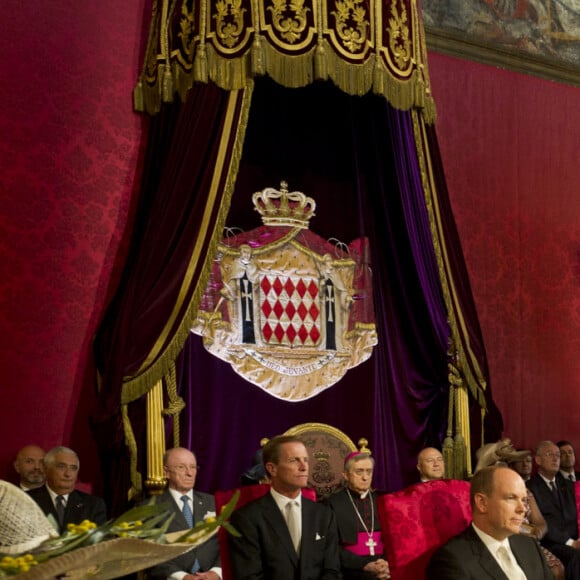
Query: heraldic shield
(290, 311)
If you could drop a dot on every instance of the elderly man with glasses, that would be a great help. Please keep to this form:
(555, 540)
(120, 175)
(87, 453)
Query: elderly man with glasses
(555, 497)
(202, 563)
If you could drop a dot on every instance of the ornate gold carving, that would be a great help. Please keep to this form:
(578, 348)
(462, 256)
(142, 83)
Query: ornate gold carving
(229, 16)
(351, 24)
(187, 30)
(399, 35)
(281, 208)
(289, 18)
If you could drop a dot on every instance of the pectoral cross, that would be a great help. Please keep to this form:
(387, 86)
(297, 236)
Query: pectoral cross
(371, 544)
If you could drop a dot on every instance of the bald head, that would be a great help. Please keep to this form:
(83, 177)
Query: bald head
(28, 465)
(430, 464)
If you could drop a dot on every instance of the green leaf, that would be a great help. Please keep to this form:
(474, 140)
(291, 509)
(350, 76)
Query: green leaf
(229, 507)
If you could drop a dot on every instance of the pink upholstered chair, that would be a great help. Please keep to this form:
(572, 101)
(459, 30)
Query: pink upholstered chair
(419, 519)
(247, 494)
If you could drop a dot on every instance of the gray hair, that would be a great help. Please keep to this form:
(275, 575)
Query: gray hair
(50, 457)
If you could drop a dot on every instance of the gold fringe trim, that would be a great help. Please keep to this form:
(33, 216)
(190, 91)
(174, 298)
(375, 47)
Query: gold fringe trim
(321, 63)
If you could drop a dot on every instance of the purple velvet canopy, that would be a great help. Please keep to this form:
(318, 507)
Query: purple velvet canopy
(375, 173)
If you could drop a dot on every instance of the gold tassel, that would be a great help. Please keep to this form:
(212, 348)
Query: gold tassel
(138, 104)
(448, 457)
(460, 456)
(200, 64)
(257, 57)
(419, 87)
(320, 63)
(167, 94)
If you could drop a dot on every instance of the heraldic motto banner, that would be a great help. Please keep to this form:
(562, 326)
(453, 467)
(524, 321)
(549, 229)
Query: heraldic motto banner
(290, 311)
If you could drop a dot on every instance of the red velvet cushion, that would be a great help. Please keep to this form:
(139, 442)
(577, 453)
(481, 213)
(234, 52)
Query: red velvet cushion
(248, 493)
(419, 519)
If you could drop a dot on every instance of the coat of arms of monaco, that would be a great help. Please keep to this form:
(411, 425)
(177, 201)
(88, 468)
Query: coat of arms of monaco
(290, 311)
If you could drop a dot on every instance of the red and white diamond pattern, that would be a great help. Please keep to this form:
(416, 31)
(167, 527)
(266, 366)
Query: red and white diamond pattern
(290, 312)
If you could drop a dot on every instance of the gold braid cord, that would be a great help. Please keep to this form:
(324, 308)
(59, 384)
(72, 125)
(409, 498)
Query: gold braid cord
(361, 45)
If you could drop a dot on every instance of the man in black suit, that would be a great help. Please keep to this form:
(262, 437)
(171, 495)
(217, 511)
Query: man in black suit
(359, 529)
(285, 536)
(555, 497)
(58, 495)
(491, 547)
(189, 506)
(568, 461)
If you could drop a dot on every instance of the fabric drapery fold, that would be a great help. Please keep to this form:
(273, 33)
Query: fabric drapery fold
(190, 170)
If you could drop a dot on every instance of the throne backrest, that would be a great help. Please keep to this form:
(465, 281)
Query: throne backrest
(327, 449)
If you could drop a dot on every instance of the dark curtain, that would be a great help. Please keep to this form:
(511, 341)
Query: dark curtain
(356, 156)
(138, 338)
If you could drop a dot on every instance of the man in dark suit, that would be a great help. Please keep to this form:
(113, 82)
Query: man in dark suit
(58, 495)
(359, 529)
(285, 536)
(491, 547)
(555, 497)
(568, 461)
(189, 506)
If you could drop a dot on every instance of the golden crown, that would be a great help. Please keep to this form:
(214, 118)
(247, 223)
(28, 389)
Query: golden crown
(321, 455)
(283, 208)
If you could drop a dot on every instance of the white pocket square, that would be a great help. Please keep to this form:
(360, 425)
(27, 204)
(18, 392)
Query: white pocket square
(209, 515)
(318, 537)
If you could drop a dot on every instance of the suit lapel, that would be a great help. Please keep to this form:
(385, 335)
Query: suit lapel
(520, 556)
(178, 523)
(487, 562)
(276, 521)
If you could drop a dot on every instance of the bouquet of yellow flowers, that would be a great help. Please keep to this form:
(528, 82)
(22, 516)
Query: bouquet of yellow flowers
(31, 549)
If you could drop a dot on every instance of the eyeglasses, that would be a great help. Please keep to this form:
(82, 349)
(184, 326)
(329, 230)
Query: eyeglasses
(432, 460)
(182, 468)
(551, 454)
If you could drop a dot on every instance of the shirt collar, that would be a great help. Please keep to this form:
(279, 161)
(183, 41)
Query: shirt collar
(548, 481)
(282, 500)
(54, 495)
(176, 495)
(491, 543)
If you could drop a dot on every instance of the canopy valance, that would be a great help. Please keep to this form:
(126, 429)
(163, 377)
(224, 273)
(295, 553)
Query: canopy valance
(361, 45)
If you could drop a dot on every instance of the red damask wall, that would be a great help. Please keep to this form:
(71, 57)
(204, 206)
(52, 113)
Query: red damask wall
(510, 145)
(69, 154)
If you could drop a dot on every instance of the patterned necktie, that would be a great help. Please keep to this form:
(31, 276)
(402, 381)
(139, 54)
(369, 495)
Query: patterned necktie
(60, 509)
(509, 566)
(292, 519)
(187, 513)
